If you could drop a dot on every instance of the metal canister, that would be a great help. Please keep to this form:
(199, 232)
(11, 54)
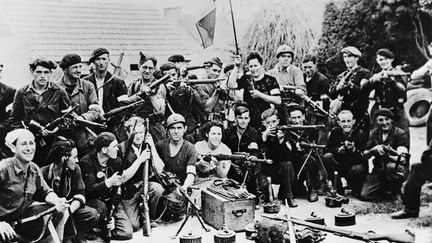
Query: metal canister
(345, 218)
(190, 238)
(315, 219)
(250, 231)
(225, 236)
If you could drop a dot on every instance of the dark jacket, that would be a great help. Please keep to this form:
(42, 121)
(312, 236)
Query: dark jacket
(27, 105)
(317, 85)
(231, 139)
(7, 94)
(93, 176)
(338, 137)
(115, 88)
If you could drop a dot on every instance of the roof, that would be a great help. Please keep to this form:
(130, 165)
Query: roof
(54, 28)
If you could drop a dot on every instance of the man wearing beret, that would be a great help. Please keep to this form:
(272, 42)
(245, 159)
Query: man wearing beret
(390, 88)
(82, 93)
(101, 178)
(154, 100)
(213, 95)
(37, 104)
(389, 145)
(346, 92)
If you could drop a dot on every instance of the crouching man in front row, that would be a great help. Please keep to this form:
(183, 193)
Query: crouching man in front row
(22, 183)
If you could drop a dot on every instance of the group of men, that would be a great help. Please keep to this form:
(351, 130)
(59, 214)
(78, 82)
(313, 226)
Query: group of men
(91, 139)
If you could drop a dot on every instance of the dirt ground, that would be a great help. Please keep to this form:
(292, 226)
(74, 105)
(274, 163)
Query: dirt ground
(370, 216)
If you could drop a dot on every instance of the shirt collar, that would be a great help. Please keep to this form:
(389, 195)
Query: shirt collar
(281, 69)
(18, 170)
(31, 87)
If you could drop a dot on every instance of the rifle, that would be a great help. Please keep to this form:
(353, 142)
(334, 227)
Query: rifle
(158, 82)
(290, 225)
(197, 67)
(50, 126)
(115, 196)
(299, 127)
(314, 105)
(199, 81)
(118, 110)
(240, 156)
(366, 237)
(312, 145)
(145, 209)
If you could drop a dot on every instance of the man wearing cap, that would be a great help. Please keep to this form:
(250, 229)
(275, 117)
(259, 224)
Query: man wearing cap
(154, 100)
(37, 104)
(346, 92)
(100, 170)
(180, 62)
(390, 88)
(110, 89)
(389, 145)
(213, 95)
(22, 183)
(289, 77)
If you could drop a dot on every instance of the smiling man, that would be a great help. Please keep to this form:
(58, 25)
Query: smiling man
(391, 169)
(37, 104)
(343, 153)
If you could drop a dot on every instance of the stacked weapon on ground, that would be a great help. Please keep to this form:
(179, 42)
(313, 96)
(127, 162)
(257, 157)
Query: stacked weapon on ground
(115, 194)
(299, 127)
(366, 237)
(240, 156)
(314, 105)
(145, 195)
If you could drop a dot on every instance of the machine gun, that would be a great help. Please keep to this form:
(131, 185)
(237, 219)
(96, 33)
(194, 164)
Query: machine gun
(299, 127)
(366, 237)
(58, 121)
(314, 105)
(238, 156)
(122, 109)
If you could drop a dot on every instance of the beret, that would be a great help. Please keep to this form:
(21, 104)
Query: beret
(384, 112)
(69, 60)
(167, 66)
(352, 50)
(216, 61)
(103, 140)
(98, 52)
(13, 136)
(177, 58)
(284, 49)
(385, 53)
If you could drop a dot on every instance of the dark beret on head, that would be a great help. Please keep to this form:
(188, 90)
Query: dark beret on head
(167, 66)
(216, 61)
(384, 112)
(104, 140)
(98, 52)
(177, 58)
(385, 53)
(44, 63)
(228, 68)
(144, 58)
(69, 60)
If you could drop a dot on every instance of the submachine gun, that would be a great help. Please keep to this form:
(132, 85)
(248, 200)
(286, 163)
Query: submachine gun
(242, 156)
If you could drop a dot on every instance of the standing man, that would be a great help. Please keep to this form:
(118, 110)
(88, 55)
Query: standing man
(22, 183)
(346, 92)
(344, 153)
(82, 93)
(388, 144)
(39, 103)
(7, 95)
(390, 89)
(154, 105)
(260, 91)
(214, 96)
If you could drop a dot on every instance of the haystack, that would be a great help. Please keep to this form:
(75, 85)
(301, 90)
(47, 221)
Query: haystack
(295, 23)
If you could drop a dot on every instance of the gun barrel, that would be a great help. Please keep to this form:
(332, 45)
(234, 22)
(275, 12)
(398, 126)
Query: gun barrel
(242, 157)
(115, 111)
(200, 81)
(90, 123)
(312, 145)
(159, 81)
(195, 67)
(300, 127)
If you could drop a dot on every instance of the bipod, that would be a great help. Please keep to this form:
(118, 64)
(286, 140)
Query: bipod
(313, 149)
(192, 210)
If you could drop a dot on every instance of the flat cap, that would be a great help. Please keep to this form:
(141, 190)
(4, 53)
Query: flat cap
(385, 53)
(175, 118)
(177, 58)
(167, 66)
(69, 60)
(284, 49)
(352, 50)
(216, 61)
(384, 112)
(98, 52)
(228, 67)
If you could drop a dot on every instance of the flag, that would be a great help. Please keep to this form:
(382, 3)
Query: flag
(206, 26)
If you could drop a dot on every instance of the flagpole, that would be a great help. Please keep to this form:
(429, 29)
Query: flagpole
(234, 29)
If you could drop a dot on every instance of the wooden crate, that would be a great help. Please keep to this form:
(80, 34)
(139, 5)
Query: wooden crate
(220, 212)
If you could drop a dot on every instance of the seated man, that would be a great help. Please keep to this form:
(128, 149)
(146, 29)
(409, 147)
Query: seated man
(277, 148)
(386, 143)
(64, 177)
(132, 189)
(102, 181)
(310, 173)
(344, 153)
(21, 183)
(418, 175)
(179, 157)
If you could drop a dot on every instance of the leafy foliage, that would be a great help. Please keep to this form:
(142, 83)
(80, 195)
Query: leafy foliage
(403, 26)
